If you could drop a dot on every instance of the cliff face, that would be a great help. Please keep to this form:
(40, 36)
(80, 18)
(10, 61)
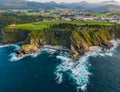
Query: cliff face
(78, 39)
(117, 31)
(0, 37)
(14, 35)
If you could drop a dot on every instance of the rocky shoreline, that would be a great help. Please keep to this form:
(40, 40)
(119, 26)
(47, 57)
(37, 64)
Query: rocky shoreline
(27, 49)
(74, 41)
(32, 48)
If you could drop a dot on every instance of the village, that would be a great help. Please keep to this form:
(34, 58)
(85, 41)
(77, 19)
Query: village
(56, 14)
(73, 15)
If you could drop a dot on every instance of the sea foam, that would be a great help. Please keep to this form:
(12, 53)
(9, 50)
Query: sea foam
(13, 56)
(79, 70)
(13, 45)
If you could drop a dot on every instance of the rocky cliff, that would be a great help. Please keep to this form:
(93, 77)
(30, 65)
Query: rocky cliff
(14, 35)
(77, 39)
(0, 37)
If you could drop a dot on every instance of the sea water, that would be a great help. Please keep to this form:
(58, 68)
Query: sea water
(54, 71)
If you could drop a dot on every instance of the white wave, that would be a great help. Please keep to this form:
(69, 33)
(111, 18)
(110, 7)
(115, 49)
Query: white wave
(83, 88)
(101, 53)
(115, 42)
(13, 45)
(59, 78)
(3, 46)
(13, 56)
(78, 70)
(63, 58)
(106, 52)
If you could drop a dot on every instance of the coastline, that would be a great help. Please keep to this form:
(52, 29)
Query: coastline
(51, 48)
(79, 69)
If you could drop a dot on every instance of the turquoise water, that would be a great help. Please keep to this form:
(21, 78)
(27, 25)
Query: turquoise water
(52, 71)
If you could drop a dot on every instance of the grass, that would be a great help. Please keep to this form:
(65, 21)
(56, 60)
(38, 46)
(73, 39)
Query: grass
(48, 24)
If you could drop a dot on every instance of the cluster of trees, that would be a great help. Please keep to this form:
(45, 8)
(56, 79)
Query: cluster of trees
(7, 18)
(65, 26)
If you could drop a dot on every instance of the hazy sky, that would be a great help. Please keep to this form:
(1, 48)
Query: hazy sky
(68, 1)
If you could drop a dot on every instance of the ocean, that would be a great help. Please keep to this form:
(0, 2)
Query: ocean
(53, 71)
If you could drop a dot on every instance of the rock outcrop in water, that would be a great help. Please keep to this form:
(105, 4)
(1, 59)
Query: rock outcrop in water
(27, 49)
(76, 38)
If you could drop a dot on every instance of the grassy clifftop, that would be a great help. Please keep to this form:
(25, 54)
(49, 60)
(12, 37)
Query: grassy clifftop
(19, 32)
(48, 24)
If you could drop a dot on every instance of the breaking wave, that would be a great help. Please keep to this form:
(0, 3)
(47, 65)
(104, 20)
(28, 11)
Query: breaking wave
(13, 56)
(78, 70)
(13, 45)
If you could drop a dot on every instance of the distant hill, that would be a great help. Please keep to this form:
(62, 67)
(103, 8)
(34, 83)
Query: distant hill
(8, 4)
(107, 6)
(45, 6)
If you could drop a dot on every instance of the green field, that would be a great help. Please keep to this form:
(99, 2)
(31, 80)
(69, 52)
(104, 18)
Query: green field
(48, 24)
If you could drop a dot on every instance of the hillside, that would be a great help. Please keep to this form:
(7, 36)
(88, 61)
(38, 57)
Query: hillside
(107, 6)
(12, 4)
(77, 36)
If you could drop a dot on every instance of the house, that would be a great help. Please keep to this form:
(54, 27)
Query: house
(12, 24)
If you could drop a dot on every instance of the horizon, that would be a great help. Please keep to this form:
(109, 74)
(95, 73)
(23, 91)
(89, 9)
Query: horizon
(73, 1)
